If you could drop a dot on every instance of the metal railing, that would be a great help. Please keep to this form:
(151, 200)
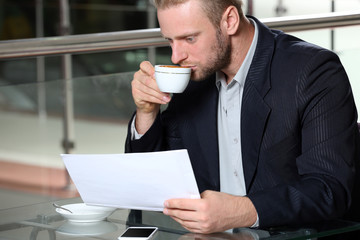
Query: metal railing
(122, 40)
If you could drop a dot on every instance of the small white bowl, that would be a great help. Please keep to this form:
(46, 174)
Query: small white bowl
(171, 78)
(85, 213)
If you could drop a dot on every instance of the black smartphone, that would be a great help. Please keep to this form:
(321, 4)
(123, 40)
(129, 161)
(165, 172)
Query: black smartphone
(138, 233)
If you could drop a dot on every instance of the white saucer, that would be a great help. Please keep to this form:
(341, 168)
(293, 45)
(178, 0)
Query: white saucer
(85, 213)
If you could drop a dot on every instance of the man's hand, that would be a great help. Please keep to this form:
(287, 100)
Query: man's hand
(147, 97)
(214, 212)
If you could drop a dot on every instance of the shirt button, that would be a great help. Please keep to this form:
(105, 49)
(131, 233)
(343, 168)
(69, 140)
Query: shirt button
(236, 141)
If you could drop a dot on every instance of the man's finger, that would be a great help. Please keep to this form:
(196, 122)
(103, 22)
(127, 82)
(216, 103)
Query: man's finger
(184, 204)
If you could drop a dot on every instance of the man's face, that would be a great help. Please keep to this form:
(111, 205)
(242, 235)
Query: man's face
(194, 40)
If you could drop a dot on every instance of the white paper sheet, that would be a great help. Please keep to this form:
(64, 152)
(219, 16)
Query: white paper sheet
(132, 181)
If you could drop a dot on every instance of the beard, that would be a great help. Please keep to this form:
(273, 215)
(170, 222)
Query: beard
(219, 59)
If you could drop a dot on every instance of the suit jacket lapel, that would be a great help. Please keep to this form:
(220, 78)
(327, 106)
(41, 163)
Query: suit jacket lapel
(206, 129)
(255, 112)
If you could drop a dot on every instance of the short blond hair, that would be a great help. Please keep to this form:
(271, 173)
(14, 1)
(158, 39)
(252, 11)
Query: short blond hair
(213, 9)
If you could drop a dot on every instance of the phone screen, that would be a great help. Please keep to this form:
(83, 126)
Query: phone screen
(139, 232)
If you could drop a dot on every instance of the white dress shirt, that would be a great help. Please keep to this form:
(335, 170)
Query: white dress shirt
(229, 126)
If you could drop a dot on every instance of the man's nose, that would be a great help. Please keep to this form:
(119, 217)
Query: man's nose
(178, 53)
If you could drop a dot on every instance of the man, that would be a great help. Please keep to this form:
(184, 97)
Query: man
(269, 121)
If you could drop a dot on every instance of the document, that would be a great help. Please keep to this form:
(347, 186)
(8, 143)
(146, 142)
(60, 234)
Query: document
(140, 181)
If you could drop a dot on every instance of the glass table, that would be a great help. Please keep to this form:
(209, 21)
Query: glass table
(41, 221)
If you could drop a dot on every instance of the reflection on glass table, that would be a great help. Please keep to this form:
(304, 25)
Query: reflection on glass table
(42, 221)
(86, 228)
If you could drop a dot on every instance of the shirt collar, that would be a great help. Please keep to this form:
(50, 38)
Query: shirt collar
(245, 66)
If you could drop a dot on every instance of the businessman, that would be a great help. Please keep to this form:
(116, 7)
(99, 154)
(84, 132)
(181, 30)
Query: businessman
(269, 121)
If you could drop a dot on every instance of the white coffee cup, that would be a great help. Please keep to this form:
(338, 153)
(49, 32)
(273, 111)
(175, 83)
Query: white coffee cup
(171, 78)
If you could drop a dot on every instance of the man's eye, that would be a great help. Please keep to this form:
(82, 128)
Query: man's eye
(190, 39)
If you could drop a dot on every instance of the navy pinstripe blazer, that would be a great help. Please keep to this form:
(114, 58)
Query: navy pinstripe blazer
(299, 132)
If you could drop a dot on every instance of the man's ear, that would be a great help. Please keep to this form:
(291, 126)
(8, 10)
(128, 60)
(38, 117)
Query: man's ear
(231, 20)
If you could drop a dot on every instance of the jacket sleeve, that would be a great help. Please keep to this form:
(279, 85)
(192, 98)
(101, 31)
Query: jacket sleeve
(149, 142)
